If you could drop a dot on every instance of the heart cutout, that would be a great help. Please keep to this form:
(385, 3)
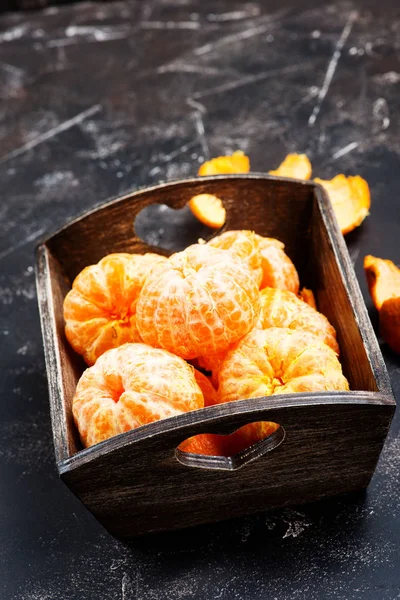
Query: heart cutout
(240, 453)
(171, 229)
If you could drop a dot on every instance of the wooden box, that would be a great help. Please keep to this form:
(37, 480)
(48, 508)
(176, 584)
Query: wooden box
(328, 443)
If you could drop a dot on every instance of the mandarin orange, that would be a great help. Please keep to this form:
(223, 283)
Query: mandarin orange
(131, 386)
(278, 361)
(202, 301)
(265, 257)
(280, 308)
(100, 310)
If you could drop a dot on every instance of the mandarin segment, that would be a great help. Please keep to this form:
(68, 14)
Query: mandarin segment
(280, 308)
(100, 310)
(131, 386)
(296, 166)
(238, 162)
(350, 198)
(278, 361)
(202, 301)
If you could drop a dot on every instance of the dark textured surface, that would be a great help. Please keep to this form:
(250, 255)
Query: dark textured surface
(99, 99)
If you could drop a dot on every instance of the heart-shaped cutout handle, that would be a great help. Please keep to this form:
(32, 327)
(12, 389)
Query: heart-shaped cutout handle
(233, 451)
(171, 229)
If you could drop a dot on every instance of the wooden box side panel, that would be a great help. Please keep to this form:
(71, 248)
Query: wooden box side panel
(64, 366)
(339, 298)
(328, 449)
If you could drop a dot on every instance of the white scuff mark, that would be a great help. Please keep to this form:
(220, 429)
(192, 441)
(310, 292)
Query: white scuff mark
(13, 34)
(16, 71)
(380, 113)
(199, 111)
(235, 15)
(296, 521)
(169, 25)
(241, 35)
(126, 587)
(354, 255)
(53, 132)
(32, 237)
(169, 157)
(100, 34)
(345, 150)
(198, 116)
(179, 67)
(389, 77)
(248, 79)
(332, 66)
(316, 34)
(312, 92)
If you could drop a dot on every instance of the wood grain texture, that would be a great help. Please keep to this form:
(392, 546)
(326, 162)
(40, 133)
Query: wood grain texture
(133, 483)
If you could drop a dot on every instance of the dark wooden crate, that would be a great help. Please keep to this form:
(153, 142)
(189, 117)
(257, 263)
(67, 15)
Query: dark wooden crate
(328, 443)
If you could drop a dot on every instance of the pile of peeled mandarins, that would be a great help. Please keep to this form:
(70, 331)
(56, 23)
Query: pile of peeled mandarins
(218, 322)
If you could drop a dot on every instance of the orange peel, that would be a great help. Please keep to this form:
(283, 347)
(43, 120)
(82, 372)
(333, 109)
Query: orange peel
(350, 198)
(296, 166)
(237, 162)
(208, 209)
(383, 278)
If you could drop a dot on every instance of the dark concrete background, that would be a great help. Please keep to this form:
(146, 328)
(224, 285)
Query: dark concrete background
(98, 99)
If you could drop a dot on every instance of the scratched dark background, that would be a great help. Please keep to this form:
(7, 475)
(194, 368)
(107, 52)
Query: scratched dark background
(97, 99)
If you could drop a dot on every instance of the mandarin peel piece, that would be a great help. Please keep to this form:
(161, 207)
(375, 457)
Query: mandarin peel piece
(202, 301)
(296, 166)
(100, 310)
(131, 386)
(383, 278)
(350, 198)
(208, 209)
(238, 162)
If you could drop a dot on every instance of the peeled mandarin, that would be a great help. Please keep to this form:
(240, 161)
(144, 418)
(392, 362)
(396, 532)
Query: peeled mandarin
(130, 386)
(100, 310)
(202, 301)
(265, 257)
(279, 361)
(280, 308)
